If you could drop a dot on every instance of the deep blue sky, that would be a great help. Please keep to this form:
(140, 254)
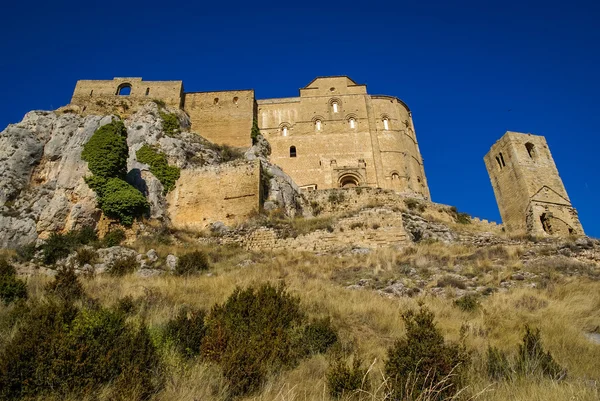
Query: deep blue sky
(469, 70)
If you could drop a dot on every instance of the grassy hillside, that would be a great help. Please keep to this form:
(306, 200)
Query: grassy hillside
(518, 285)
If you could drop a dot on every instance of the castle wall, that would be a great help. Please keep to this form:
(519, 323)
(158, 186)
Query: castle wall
(351, 141)
(228, 193)
(530, 194)
(223, 117)
(97, 96)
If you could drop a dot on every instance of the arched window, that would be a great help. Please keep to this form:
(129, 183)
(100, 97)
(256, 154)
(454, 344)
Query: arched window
(284, 130)
(530, 149)
(386, 124)
(124, 89)
(395, 177)
(147, 91)
(216, 101)
(318, 125)
(352, 122)
(292, 151)
(499, 162)
(334, 106)
(235, 100)
(502, 160)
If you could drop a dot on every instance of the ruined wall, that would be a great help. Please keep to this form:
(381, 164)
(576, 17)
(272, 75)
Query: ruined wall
(335, 134)
(228, 193)
(530, 194)
(223, 117)
(100, 96)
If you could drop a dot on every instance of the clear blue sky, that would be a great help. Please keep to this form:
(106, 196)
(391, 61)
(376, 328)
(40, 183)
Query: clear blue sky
(469, 70)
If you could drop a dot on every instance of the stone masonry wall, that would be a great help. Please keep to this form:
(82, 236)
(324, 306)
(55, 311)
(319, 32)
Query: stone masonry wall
(223, 117)
(102, 96)
(228, 193)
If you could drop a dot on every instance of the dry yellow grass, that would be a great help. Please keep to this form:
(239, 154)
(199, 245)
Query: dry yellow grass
(368, 323)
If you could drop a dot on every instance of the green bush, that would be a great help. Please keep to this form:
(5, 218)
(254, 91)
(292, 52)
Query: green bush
(106, 152)
(122, 201)
(467, 303)
(58, 246)
(122, 266)
(414, 205)
(251, 334)
(86, 256)
(533, 360)
(159, 166)
(191, 263)
(113, 238)
(497, 364)
(336, 197)
(319, 336)
(26, 252)
(126, 305)
(255, 131)
(170, 123)
(343, 379)
(186, 331)
(160, 103)
(11, 288)
(61, 351)
(66, 285)
(422, 362)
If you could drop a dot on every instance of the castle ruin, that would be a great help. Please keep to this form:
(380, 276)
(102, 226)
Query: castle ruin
(336, 135)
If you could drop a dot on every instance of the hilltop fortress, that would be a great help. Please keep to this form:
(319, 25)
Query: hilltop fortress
(336, 135)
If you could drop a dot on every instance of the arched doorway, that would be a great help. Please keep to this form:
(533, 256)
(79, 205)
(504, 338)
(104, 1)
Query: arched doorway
(349, 180)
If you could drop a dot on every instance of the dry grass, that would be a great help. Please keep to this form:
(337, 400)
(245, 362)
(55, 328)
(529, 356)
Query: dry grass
(368, 323)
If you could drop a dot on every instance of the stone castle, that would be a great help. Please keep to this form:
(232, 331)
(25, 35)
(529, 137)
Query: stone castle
(336, 135)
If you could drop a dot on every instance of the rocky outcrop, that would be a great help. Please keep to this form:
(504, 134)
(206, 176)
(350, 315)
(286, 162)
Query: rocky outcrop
(42, 187)
(41, 176)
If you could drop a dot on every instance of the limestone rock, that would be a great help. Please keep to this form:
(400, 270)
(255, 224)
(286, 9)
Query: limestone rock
(172, 262)
(107, 256)
(152, 255)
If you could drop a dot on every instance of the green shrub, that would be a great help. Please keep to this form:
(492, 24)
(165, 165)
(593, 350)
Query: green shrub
(422, 361)
(467, 303)
(113, 238)
(61, 351)
(497, 364)
(66, 285)
(533, 360)
(319, 336)
(336, 197)
(6, 269)
(26, 253)
(56, 247)
(186, 331)
(191, 263)
(122, 266)
(251, 334)
(122, 201)
(170, 123)
(255, 131)
(160, 103)
(11, 288)
(86, 256)
(343, 379)
(167, 175)
(414, 205)
(126, 305)
(106, 152)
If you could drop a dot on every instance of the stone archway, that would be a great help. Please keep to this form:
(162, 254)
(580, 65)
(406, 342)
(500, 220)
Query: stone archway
(349, 180)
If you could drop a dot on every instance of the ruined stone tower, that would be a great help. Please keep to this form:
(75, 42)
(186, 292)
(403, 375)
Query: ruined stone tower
(530, 194)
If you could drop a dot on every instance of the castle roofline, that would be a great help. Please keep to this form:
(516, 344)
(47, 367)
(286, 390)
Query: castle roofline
(331, 76)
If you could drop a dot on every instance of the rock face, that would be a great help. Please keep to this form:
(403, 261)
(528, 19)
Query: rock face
(41, 176)
(42, 187)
